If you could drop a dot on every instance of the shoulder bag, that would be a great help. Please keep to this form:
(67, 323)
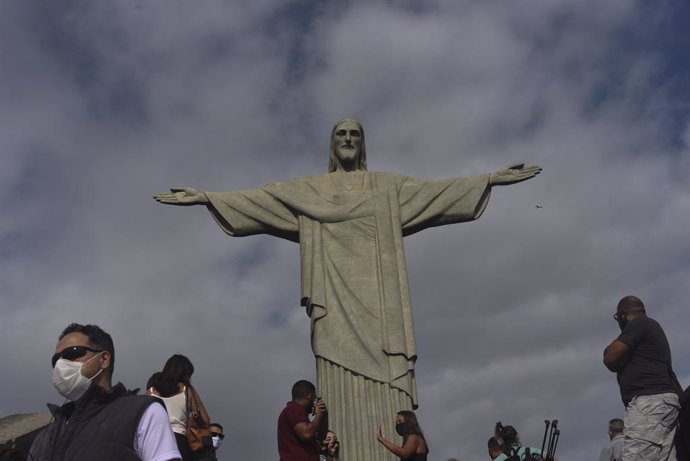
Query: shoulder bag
(198, 430)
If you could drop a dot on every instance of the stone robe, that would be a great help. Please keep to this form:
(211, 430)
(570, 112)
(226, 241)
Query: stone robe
(350, 227)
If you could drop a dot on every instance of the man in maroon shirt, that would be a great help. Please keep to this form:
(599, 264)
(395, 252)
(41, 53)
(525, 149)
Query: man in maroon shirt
(298, 437)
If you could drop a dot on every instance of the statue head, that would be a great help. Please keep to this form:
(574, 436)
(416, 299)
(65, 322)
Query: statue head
(348, 151)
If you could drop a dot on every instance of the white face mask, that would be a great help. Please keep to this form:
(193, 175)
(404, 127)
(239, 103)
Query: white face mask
(216, 441)
(69, 381)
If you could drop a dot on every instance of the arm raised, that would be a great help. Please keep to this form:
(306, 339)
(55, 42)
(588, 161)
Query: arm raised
(313, 430)
(182, 196)
(405, 451)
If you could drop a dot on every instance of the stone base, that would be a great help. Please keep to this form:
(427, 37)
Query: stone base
(17, 433)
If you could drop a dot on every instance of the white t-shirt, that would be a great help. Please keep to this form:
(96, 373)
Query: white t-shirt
(154, 439)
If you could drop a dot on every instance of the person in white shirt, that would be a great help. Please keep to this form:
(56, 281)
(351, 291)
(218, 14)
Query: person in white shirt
(614, 450)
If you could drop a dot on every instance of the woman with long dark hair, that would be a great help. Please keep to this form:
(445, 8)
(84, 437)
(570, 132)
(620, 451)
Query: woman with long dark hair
(414, 447)
(173, 385)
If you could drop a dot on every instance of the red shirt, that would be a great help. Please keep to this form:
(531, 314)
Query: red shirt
(290, 447)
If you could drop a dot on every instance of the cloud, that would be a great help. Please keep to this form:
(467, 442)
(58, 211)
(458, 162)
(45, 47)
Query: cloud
(105, 105)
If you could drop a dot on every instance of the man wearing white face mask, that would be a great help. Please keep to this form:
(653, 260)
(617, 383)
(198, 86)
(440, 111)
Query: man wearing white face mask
(217, 436)
(100, 421)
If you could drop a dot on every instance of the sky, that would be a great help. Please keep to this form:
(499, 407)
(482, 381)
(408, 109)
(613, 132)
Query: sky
(104, 104)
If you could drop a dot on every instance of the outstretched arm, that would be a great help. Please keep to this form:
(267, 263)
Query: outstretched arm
(404, 452)
(183, 196)
(513, 174)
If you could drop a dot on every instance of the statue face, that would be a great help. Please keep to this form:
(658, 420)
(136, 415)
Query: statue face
(347, 140)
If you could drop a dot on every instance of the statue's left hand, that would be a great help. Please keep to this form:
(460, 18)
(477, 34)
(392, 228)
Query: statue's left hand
(184, 196)
(513, 174)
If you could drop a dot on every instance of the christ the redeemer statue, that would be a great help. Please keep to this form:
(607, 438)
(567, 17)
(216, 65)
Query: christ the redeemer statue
(350, 225)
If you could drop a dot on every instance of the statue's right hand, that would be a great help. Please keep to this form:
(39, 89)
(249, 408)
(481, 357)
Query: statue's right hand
(183, 196)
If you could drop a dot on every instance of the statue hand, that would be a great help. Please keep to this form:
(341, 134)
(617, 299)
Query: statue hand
(513, 174)
(183, 196)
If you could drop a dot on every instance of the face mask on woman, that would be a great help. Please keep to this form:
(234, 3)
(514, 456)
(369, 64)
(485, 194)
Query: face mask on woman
(68, 379)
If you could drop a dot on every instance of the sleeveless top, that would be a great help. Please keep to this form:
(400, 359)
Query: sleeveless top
(417, 457)
(177, 411)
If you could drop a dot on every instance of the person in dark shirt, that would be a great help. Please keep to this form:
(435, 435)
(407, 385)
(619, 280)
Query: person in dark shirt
(641, 358)
(414, 446)
(298, 437)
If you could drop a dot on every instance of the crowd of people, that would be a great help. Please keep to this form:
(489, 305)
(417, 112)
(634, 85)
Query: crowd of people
(106, 421)
(651, 394)
(301, 438)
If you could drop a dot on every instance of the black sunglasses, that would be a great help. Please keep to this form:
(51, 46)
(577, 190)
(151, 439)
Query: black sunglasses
(72, 353)
(617, 316)
(217, 434)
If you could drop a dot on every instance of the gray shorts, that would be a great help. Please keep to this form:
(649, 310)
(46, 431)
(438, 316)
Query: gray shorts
(650, 425)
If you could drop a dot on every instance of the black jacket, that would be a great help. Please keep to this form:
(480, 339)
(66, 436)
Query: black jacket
(101, 427)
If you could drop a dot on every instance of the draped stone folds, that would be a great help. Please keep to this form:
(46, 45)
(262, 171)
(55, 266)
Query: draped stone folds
(357, 407)
(350, 227)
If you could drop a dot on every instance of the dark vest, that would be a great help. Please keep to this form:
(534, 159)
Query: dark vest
(102, 427)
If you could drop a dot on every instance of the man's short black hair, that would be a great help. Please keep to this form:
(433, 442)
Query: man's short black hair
(217, 425)
(301, 388)
(631, 303)
(98, 339)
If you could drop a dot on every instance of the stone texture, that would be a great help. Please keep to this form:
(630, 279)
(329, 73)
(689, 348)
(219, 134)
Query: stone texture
(17, 432)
